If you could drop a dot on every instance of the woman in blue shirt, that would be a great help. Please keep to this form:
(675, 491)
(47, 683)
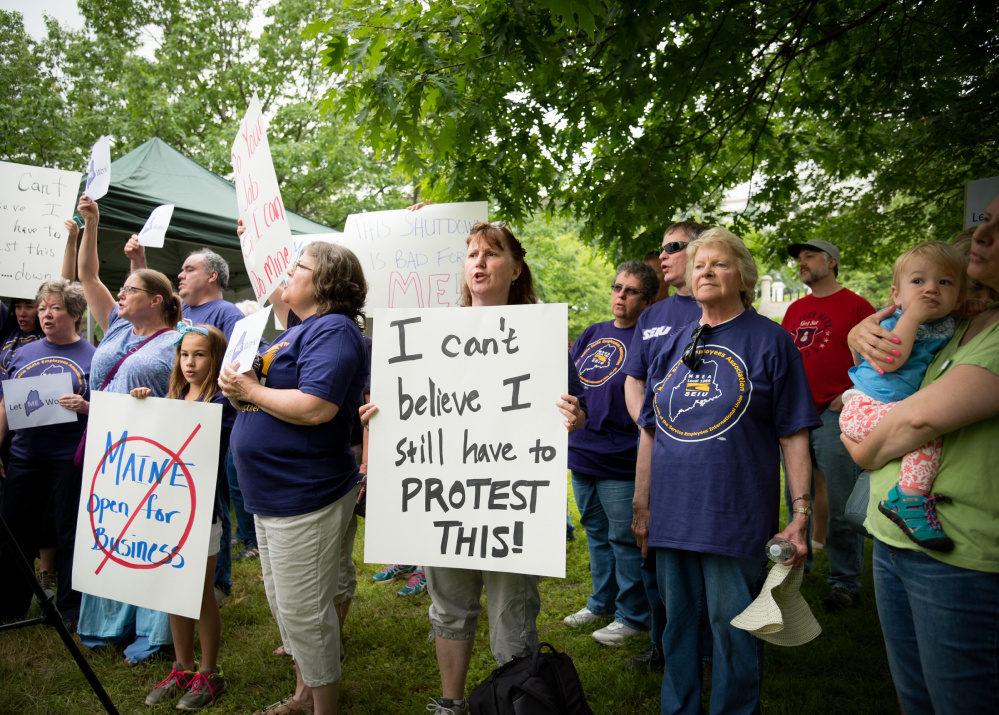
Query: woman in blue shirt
(292, 448)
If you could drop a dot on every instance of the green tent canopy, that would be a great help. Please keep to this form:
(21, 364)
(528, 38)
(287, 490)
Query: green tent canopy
(205, 214)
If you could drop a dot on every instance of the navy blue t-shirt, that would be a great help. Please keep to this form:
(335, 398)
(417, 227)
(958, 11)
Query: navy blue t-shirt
(42, 357)
(716, 456)
(607, 445)
(285, 469)
(357, 430)
(12, 338)
(220, 313)
(655, 324)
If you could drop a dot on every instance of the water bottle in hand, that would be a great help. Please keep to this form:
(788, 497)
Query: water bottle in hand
(779, 550)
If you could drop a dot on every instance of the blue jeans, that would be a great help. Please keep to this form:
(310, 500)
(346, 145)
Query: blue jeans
(223, 565)
(652, 595)
(246, 532)
(844, 546)
(605, 512)
(941, 629)
(727, 585)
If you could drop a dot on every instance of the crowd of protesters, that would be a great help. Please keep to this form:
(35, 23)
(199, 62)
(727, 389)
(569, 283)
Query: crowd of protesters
(681, 412)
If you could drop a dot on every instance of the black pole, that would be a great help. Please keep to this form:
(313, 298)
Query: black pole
(51, 616)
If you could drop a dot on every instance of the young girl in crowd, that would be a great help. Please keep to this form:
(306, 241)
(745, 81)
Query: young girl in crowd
(200, 350)
(928, 284)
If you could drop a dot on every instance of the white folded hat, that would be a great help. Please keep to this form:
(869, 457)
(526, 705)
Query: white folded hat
(780, 615)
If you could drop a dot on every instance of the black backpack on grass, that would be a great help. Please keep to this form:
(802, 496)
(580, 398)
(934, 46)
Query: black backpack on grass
(537, 684)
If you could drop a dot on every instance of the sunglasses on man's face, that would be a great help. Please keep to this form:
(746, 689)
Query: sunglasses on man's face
(692, 353)
(674, 247)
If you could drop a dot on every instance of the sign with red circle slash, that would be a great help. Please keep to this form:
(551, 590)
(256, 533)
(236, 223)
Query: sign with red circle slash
(145, 514)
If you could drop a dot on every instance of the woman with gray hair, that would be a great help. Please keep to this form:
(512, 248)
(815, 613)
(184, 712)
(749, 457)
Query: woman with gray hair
(602, 459)
(41, 464)
(724, 396)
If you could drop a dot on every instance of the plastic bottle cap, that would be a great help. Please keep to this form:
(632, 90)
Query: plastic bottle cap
(775, 549)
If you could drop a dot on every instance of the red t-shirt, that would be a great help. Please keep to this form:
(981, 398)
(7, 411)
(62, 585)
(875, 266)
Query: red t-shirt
(819, 327)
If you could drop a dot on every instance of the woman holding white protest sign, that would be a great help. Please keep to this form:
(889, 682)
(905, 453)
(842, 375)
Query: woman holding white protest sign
(495, 273)
(20, 326)
(41, 469)
(137, 351)
(294, 462)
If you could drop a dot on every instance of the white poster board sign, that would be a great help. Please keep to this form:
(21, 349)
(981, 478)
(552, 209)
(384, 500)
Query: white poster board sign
(266, 243)
(246, 334)
(146, 503)
(34, 401)
(412, 259)
(99, 170)
(34, 202)
(467, 454)
(153, 233)
(977, 197)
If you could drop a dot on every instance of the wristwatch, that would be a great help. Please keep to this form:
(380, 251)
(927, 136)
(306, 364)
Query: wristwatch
(807, 510)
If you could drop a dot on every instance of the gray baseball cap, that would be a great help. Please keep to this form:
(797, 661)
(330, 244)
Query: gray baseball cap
(816, 244)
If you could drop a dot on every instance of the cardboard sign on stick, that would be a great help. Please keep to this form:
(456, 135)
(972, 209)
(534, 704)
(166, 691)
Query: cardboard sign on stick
(467, 454)
(146, 504)
(34, 203)
(154, 232)
(246, 334)
(266, 243)
(99, 170)
(34, 401)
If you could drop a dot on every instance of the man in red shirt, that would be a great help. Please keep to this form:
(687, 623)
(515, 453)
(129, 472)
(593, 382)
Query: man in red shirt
(819, 324)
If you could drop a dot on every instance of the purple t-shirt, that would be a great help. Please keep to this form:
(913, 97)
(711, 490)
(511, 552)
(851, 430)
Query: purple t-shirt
(716, 456)
(607, 445)
(12, 338)
(220, 313)
(285, 469)
(655, 324)
(44, 358)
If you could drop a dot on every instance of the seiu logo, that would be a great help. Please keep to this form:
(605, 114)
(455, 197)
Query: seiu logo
(656, 332)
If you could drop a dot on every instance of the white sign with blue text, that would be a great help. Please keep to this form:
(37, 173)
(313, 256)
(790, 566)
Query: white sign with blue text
(146, 502)
(99, 170)
(34, 401)
(246, 334)
(34, 203)
(153, 233)
(467, 454)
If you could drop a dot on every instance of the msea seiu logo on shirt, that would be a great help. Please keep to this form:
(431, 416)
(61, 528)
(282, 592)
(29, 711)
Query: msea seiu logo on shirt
(268, 357)
(600, 361)
(53, 366)
(657, 332)
(695, 405)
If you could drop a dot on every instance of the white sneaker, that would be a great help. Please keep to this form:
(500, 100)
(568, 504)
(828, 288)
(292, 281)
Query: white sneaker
(580, 618)
(617, 633)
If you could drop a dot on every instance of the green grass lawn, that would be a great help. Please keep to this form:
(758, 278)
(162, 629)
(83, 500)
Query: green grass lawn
(390, 665)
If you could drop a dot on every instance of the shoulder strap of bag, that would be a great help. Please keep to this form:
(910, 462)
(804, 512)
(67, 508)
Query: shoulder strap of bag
(137, 348)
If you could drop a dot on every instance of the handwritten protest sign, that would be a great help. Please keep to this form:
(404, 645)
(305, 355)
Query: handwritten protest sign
(153, 233)
(34, 202)
(467, 454)
(99, 169)
(266, 244)
(246, 334)
(411, 259)
(978, 195)
(34, 401)
(146, 503)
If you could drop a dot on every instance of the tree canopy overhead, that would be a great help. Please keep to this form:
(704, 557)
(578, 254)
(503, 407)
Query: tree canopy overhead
(854, 121)
(185, 72)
